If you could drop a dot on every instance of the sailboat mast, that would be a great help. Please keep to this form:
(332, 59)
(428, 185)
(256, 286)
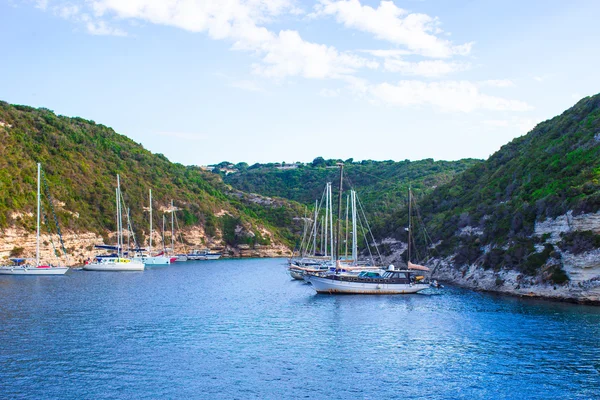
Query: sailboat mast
(119, 219)
(354, 232)
(163, 232)
(37, 240)
(150, 242)
(315, 228)
(322, 233)
(331, 224)
(327, 189)
(409, 220)
(346, 230)
(339, 221)
(172, 227)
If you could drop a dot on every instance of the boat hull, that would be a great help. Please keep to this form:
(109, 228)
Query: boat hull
(296, 274)
(332, 286)
(156, 260)
(116, 267)
(18, 270)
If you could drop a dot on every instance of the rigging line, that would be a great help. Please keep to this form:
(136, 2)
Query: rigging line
(370, 231)
(377, 177)
(47, 223)
(50, 202)
(131, 233)
(179, 232)
(366, 240)
(314, 228)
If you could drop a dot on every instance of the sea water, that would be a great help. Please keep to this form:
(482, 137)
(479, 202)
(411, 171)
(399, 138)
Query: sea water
(242, 329)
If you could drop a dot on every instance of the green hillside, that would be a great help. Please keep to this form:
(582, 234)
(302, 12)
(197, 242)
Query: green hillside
(381, 185)
(81, 159)
(553, 169)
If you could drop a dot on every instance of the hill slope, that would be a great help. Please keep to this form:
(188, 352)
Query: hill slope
(530, 208)
(381, 185)
(81, 159)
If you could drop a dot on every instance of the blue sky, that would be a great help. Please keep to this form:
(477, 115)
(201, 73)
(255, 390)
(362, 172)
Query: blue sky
(283, 80)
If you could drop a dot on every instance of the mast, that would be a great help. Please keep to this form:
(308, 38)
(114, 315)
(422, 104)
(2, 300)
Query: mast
(354, 241)
(331, 224)
(163, 232)
(339, 221)
(37, 240)
(150, 243)
(322, 233)
(409, 221)
(346, 230)
(172, 227)
(326, 214)
(315, 229)
(119, 219)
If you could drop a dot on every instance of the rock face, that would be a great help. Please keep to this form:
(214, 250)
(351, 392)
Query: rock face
(582, 269)
(80, 246)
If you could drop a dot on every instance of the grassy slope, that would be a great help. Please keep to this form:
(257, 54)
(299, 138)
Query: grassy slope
(382, 186)
(551, 170)
(81, 159)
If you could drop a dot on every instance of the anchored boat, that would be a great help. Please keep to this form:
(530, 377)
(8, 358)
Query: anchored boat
(118, 262)
(20, 265)
(391, 281)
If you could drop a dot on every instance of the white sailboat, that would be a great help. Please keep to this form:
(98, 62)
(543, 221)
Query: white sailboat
(118, 263)
(21, 267)
(147, 258)
(178, 257)
(377, 281)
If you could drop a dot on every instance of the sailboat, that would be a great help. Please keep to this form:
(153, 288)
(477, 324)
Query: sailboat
(117, 262)
(178, 257)
(309, 259)
(377, 281)
(148, 258)
(21, 267)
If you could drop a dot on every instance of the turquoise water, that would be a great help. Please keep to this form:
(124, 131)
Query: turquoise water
(242, 329)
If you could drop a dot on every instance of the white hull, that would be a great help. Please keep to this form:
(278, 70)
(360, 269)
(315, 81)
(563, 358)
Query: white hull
(181, 258)
(114, 266)
(331, 286)
(213, 256)
(21, 270)
(157, 260)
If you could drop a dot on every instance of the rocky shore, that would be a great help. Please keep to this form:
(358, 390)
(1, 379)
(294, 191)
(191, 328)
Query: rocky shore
(582, 269)
(15, 242)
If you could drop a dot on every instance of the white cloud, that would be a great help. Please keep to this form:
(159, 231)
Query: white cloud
(500, 83)
(287, 54)
(388, 22)
(430, 69)
(394, 53)
(460, 96)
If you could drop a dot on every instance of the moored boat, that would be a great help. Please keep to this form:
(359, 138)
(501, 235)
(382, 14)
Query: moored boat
(114, 264)
(370, 282)
(20, 265)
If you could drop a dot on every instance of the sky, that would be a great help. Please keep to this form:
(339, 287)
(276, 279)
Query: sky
(289, 80)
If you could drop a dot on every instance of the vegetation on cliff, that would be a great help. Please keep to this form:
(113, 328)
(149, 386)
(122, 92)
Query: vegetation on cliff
(381, 185)
(551, 170)
(81, 159)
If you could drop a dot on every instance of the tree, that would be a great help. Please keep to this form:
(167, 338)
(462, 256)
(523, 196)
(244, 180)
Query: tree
(319, 162)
